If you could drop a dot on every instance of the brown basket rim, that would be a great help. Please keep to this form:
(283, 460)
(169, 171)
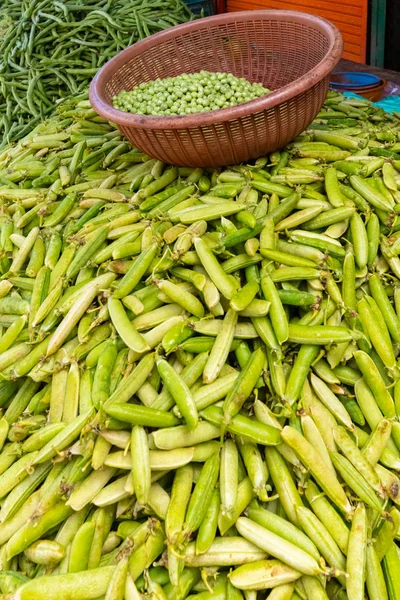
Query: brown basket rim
(302, 84)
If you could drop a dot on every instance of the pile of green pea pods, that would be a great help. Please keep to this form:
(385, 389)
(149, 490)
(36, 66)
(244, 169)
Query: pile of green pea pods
(199, 378)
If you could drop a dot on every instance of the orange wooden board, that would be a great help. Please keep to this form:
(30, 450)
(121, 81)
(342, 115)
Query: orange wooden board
(350, 16)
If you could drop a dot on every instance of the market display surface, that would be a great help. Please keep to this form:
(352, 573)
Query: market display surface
(199, 381)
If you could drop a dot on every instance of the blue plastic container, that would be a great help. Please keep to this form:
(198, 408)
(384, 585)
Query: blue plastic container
(353, 79)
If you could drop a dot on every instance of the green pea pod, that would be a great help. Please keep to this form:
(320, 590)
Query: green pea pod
(89, 488)
(349, 286)
(232, 593)
(202, 494)
(21, 400)
(77, 311)
(92, 212)
(309, 457)
(266, 187)
(302, 250)
(286, 259)
(228, 551)
(296, 297)
(71, 398)
(376, 585)
(323, 540)
(216, 273)
(375, 382)
(80, 547)
(189, 375)
(141, 415)
(356, 554)
(12, 333)
(277, 313)
(133, 382)
(328, 516)
(306, 356)
(16, 473)
(175, 336)
(86, 251)
(181, 490)
(229, 476)
(187, 580)
(298, 218)
(174, 204)
(4, 428)
(18, 520)
(116, 587)
(182, 437)
(391, 564)
(136, 272)
(221, 347)
(380, 296)
(330, 400)
(36, 258)
(241, 425)
(319, 241)
(61, 211)
(324, 371)
(256, 468)
(208, 527)
(265, 574)
(158, 184)
(152, 201)
(141, 473)
(100, 452)
(23, 252)
(65, 437)
(314, 588)
(360, 240)
(125, 327)
(146, 553)
(10, 581)
(263, 327)
(373, 233)
(81, 586)
(101, 381)
(319, 335)
(374, 197)
(356, 481)
(283, 528)
(333, 192)
(283, 591)
(185, 299)
(179, 391)
(278, 547)
(244, 296)
(36, 528)
(244, 385)
(339, 140)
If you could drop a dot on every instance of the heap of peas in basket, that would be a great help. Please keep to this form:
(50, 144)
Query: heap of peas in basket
(188, 93)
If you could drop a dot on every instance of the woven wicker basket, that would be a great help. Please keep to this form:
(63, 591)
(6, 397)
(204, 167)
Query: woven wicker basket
(291, 53)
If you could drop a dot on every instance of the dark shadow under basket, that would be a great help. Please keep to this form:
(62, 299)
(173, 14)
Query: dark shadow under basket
(291, 53)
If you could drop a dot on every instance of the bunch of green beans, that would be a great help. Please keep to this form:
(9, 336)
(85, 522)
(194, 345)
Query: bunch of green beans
(51, 50)
(200, 383)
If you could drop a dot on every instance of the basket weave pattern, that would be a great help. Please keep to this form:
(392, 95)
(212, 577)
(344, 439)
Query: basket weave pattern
(288, 52)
